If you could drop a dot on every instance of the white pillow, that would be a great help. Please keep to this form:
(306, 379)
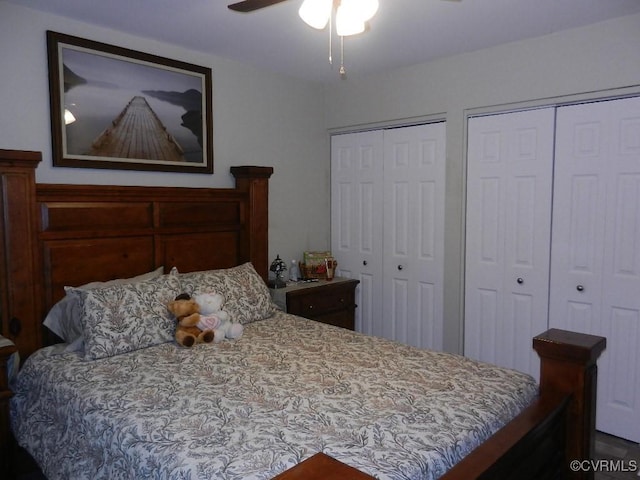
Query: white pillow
(65, 317)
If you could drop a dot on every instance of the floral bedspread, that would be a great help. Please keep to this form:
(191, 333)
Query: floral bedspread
(252, 408)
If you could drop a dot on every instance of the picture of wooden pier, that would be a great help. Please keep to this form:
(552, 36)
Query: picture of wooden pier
(131, 110)
(137, 133)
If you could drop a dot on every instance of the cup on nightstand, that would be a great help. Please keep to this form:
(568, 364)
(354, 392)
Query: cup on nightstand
(330, 264)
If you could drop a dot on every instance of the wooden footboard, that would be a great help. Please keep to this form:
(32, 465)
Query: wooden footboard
(560, 427)
(531, 447)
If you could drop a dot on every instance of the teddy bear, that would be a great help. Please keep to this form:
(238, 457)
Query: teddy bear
(187, 312)
(213, 317)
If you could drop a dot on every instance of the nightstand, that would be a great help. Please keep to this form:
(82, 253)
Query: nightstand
(331, 302)
(7, 349)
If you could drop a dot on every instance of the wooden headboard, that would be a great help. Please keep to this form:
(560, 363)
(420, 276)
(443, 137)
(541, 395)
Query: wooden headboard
(58, 235)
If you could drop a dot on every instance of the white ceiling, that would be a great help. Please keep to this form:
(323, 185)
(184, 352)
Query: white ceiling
(404, 32)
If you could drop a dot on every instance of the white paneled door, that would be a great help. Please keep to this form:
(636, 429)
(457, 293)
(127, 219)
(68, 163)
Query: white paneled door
(387, 215)
(356, 220)
(595, 268)
(414, 173)
(509, 186)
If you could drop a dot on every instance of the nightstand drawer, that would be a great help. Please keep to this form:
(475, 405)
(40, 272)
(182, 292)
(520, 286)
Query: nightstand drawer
(330, 302)
(321, 302)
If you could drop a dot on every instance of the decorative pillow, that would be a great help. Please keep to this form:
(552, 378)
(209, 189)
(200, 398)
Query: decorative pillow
(246, 296)
(124, 318)
(65, 317)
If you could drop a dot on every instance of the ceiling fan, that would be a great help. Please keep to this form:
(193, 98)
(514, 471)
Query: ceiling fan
(251, 5)
(351, 16)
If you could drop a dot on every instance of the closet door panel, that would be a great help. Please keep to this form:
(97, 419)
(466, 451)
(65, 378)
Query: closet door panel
(414, 173)
(397, 307)
(622, 276)
(509, 177)
(356, 223)
(595, 274)
(387, 228)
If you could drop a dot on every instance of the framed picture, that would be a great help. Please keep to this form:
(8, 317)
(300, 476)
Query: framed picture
(116, 108)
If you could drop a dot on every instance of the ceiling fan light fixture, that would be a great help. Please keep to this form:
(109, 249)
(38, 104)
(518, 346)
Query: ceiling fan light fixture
(316, 13)
(365, 9)
(352, 15)
(349, 16)
(69, 118)
(348, 23)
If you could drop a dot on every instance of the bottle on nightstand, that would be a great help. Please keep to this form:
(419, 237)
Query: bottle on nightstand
(294, 271)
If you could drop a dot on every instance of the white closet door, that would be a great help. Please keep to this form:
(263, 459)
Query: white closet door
(414, 175)
(595, 273)
(356, 220)
(509, 183)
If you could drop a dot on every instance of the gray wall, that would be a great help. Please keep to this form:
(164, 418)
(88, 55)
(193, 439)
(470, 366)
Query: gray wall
(260, 118)
(591, 62)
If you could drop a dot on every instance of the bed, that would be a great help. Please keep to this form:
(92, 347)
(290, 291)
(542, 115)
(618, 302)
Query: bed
(284, 397)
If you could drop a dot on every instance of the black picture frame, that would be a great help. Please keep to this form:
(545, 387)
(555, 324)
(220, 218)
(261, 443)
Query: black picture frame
(129, 110)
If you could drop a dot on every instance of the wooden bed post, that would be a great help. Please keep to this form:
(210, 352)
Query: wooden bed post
(556, 429)
(568, 367)
(255, 181)
(19, 272)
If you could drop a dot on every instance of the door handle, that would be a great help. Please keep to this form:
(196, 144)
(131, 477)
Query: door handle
(400, 267)
(365, 263)
(520, 280)
(580, 288)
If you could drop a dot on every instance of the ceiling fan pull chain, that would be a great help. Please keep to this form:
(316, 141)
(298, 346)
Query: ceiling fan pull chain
(330, 41)
(343, 71)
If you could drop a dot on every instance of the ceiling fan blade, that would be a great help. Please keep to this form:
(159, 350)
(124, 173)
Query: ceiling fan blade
(251, 5)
